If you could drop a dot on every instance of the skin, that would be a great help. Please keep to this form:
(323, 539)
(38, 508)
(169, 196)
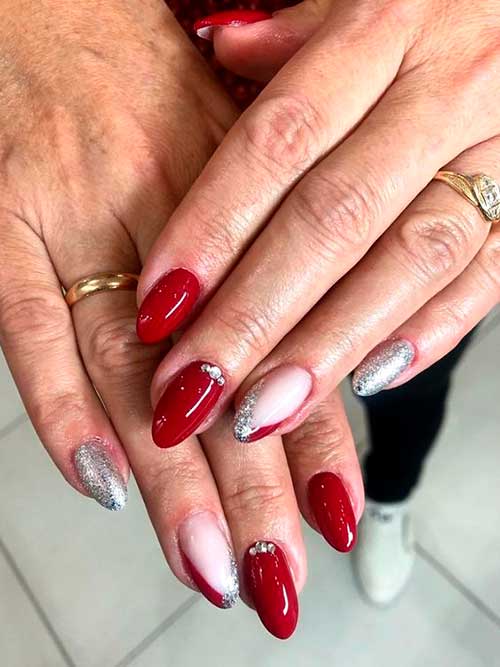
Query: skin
(329, 175)
(94, 157)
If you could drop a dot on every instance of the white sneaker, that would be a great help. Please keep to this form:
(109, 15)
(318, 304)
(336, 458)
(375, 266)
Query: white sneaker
(384, 555)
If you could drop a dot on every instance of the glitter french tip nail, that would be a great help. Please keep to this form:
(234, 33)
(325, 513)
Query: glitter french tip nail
(100, 476)
(209, 559)
(186, 403)
(382, 366)
(270, 402)
(332, 508)
(269, 582)
(233, 18)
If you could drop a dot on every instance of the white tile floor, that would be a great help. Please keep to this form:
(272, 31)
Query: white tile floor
(80, 586)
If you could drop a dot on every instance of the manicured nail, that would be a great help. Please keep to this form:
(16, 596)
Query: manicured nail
(186, 402)
(270, 402)
(167, 305)
(332, 509)
(209, 559)
(204, 28)
(100, 476)
(382, 366)
(269, 582)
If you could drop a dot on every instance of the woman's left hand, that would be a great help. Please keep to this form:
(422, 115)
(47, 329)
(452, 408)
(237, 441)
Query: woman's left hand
(328, 176)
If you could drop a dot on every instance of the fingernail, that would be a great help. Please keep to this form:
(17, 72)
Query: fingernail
(204, 28)
(270, 402)
(269, 582)
(332, 509)
(209, 559)
(167, 305)
(186, 402)
(382, 366)
(100, 476)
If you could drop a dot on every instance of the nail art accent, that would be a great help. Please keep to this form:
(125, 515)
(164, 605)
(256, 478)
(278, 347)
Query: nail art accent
(186, 402)
(382, 366)
(332, 509)
(270, 402)
(269, 582)
(209, 559)
(167, 305)
(100, 476)
(204, 27)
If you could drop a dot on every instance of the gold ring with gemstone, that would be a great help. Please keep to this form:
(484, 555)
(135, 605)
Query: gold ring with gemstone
(480, 190)
(100, 282)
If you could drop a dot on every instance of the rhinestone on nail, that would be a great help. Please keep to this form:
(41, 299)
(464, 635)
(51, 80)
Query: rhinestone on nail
(214, 372)
(262, 548)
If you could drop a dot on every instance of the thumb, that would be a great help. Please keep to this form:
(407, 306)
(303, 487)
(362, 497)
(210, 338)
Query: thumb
(256, 44)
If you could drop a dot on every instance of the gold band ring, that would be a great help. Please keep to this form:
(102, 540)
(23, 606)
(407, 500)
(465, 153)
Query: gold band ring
(480, 190)
(100, 282)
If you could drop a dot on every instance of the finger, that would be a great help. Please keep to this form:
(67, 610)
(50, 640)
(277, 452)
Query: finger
(431, 244)
(279, 138)
(259, 503)
(326, 473)
(255, 44)
(257, 305)
(38, 339)
(439, 326)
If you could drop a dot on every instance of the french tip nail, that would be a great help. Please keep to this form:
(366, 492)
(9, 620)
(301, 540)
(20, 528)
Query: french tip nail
(382, 366)
(100, 476)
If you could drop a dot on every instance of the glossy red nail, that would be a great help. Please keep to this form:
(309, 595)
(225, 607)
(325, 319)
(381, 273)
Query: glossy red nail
(332, 509)
(186, 402)
(269, 582)
(204, 28)
(167, 305)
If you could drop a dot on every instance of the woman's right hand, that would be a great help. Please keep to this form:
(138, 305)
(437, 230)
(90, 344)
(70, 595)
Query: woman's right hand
(107, 116)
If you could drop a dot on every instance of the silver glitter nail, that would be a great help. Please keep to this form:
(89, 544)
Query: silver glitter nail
(230, 597)
(382, 366)
(242, 427)
(100, 476)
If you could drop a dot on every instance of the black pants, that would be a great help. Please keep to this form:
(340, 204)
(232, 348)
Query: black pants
(404, 423)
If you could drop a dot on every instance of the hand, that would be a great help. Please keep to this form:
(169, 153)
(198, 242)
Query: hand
(95, 156)
(328, 176)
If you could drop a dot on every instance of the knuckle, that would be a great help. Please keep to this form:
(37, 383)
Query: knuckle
(433, 244)
(254, 499)
(245, 330)
(46, 414)
(490, 260)
(42, 317)
(285, 132)
(336, 214)
(115, 352)
(328, 434)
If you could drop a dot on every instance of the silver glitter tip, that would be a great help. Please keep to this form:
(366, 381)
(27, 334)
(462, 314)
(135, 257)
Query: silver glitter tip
(232, 593)
(214, 372)
(382, 366)
(100, 476)
(242, 427)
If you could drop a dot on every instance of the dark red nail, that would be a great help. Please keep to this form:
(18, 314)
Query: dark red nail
(205, 27)
(269, 582)
(166, 305)
(186, 402)
(332, 509)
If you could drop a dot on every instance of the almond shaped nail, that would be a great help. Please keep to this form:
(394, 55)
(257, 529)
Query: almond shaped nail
(100, 476)
(383, 365)
(332, 508)
(271, 401)
(209, 559)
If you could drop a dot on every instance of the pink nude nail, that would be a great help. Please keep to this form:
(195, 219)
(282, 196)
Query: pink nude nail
(209, 559)
(270, 402)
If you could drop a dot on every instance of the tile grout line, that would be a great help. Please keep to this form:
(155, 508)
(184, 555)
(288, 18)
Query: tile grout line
(13, 424)
(159, 630)
(457, 584)
(40, 612)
